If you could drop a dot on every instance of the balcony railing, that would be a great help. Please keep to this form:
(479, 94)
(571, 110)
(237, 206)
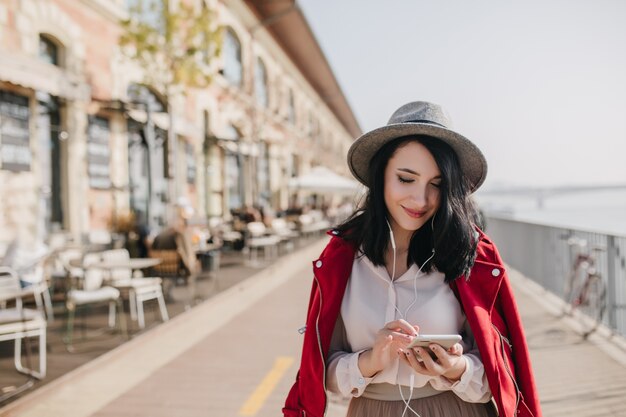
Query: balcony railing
(541, 253)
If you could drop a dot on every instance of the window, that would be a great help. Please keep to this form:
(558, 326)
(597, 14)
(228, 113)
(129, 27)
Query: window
(15, 152)
(291, 115)
(143, 95)
(312, 126)
(191, 163)
(260, 83)
(232, 176)
(233, 68)
(263, 173)
(98, 152)
(48, 50)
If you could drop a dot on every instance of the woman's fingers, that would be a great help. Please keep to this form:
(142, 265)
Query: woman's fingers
(427, 361)
(408, 357)
(442, 356)
(401, 325)
(456, 350)
(401, 337)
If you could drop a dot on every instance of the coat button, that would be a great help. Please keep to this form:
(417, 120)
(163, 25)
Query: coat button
(495, 272)
(318, 264)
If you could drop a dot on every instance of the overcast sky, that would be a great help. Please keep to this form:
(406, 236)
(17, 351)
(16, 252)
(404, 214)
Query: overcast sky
(538, 85)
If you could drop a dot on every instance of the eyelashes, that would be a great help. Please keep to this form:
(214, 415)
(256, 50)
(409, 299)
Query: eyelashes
(404, 180)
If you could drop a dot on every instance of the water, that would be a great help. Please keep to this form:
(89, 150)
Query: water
(599, 211)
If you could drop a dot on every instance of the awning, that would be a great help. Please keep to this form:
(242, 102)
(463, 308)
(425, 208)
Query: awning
(30, 72)
(321, 179)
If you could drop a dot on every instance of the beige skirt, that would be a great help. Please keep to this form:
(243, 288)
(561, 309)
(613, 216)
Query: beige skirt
(446, 404)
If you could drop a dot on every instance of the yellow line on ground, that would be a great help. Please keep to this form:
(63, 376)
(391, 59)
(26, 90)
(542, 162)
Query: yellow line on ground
(265, 388)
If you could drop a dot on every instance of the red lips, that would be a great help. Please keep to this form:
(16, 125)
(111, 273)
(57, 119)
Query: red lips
(414, 214)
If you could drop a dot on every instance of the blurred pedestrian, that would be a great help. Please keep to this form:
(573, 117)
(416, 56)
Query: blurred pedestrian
(142, 232)
(409, 261)
(177, 237)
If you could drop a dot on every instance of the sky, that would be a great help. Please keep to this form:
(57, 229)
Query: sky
(538, 85)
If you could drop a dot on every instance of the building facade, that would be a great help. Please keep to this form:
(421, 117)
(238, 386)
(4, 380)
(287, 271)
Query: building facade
(84, 140)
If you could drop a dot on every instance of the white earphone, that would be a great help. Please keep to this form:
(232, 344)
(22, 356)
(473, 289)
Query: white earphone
(407, 405)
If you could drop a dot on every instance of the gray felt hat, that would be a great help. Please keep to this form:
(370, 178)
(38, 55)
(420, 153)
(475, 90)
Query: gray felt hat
(418, 118)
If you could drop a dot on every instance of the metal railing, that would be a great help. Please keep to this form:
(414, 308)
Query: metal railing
(541, 253)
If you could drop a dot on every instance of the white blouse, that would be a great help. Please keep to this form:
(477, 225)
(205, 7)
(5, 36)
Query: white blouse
(371, 300)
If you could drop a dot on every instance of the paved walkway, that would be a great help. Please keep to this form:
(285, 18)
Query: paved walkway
(237, 355)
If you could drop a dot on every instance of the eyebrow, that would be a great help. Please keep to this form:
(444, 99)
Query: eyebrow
(410, 171)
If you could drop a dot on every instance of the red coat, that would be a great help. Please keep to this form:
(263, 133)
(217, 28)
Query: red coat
(487, 301)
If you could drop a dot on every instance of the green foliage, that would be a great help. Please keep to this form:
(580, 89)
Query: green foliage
(175, 46)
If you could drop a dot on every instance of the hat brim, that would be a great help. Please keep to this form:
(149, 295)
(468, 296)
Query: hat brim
(472, 161)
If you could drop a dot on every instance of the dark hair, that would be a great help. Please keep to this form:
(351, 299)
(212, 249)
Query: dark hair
(451, 233)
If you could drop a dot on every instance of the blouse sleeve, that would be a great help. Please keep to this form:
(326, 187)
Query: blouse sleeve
(343, 375)
(472, 386)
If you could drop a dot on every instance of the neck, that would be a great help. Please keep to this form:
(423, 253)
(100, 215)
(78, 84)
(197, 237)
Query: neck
(402, 238)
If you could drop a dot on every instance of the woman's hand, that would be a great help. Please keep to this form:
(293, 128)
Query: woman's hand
(395, 335)
(448, 363)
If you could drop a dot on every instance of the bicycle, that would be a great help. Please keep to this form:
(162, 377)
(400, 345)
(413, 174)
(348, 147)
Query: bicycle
(584, 289)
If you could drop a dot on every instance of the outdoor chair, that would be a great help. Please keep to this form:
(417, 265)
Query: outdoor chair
(140, 289)
(29, 262)
(17, 323)
(173, 269)
(257, 237)
(313, 223)
(87, 290)
(171, 263)
(37, 282)
(285, 231)
(99, 237)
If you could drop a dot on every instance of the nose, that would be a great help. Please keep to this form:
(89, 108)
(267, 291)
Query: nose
(420, 195)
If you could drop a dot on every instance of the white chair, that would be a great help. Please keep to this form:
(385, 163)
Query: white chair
(99, 237)
(140, 289)
(91, 292)
(284, 231)
(313, 222)
(63, 263)
(17, 323)
(257, 238)
(29, 262)
(36, 280)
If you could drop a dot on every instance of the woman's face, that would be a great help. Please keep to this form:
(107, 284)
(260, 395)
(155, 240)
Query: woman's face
(412, 180)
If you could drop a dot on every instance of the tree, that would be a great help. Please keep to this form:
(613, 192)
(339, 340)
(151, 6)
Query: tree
(176, 45)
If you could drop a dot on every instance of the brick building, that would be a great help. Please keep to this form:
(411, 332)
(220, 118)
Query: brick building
(83, 139)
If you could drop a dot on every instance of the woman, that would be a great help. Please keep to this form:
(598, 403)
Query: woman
(412, 260)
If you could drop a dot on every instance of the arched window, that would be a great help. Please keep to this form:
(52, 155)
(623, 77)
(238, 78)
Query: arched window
(260, 83)
(233, 68)
(143, 95)
(49, 50)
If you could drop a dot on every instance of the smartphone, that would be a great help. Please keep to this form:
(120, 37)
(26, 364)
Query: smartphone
(444, 340)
